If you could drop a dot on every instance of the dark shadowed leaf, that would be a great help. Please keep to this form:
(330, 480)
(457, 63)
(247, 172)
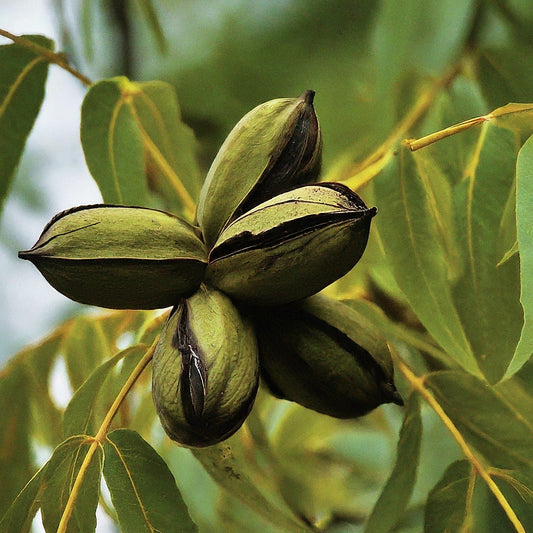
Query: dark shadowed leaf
(411, 239)
(397, 492)
(142, 488)
(79, 416)
(16, 464)
(486, 420)
(461, 501)
(448, 507)
(113, 144)
(61, 474)
(489, 515)
(518, 391)
(487, 294)
(19, 517)
(524, 223)
(503, 76)
(22, 80)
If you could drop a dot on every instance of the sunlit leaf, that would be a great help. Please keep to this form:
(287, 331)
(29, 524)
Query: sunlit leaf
(397, 492)
(142, 488)
(80, 412)
(524, 222)
(398, 332)
(62, 498)
(487, 295)
(16, 462)
(38, 361)
(134, 140)
(113, 144)
(411, 241)
(399, 49)
(156, 107)
(19, 517)
(233, 516)
(486, 420)
(22, 80)
(84, 347)
(190, 475)
(309, 446)
(463, 99)
(449, 503)
(232, 472)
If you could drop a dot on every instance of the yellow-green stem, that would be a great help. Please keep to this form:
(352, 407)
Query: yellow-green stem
(50, 56)
(99, 437)
(418, 384)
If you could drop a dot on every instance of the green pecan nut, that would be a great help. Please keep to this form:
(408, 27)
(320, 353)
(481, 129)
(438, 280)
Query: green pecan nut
(292, 245)
(275, 147)
(205, 370)
(120, 257)
(325, 356)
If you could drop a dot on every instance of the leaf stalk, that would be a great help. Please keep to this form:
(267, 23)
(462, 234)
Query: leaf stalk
(100, 436)
(417, 384)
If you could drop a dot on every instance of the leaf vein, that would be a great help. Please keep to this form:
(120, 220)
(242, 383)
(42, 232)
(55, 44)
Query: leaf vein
(18, 82)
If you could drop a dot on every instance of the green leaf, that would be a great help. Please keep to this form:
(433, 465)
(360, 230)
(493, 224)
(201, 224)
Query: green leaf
(461, 501)
(507, 242)
(399, 332)
(230, 469)
(150, 14)
(113, 144)
(142, 487)
(16, 463)
(422, 43)
(79, 417)
(309, 446)
(134, 140)
(84, 347)
(61, 474)
(22, 80)
(487, 295)
(397, 491)
(502, 75)
(486, 419)
(411, 241)
(518, 391)
(38, 360)
(489, 515)
(511, 252)
(157, 109)
(463, 99)
(448, 507)
(20, 515)
(524, 222)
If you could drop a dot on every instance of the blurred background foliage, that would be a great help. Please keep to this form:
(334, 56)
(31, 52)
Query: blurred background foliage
(382, 70)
